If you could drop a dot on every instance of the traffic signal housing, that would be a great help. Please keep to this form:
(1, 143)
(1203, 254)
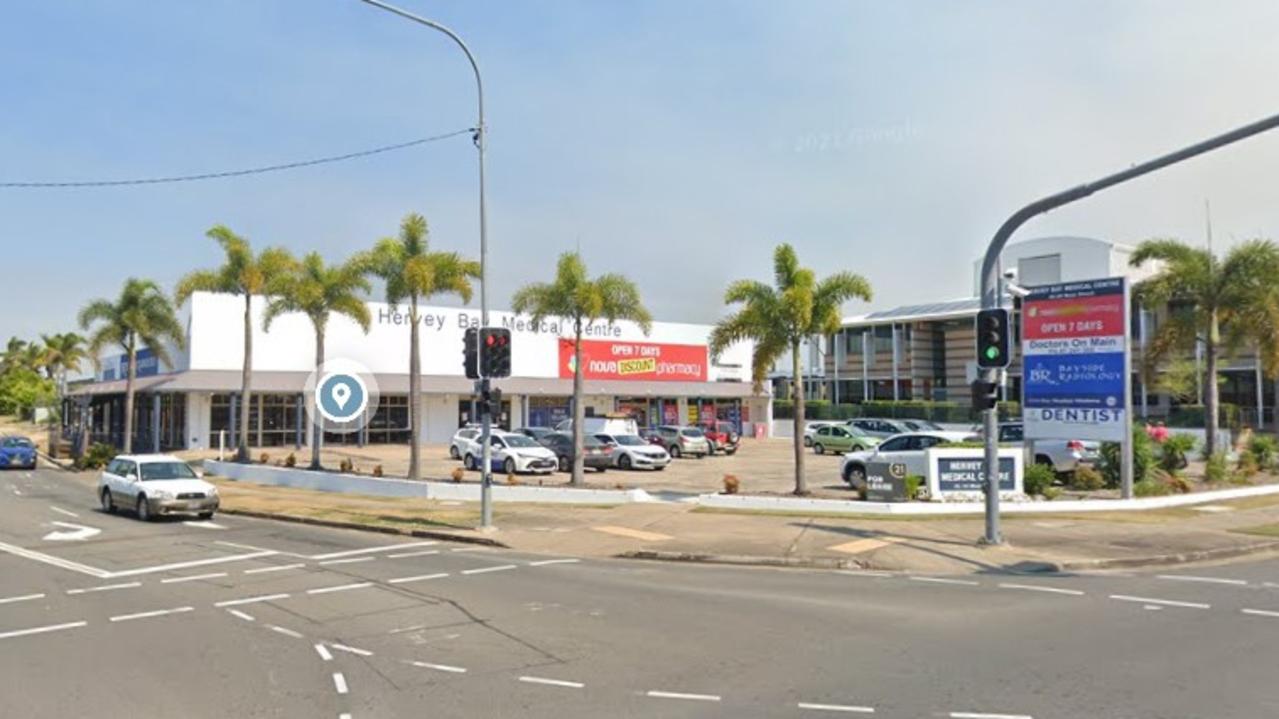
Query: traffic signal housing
(985, 394)
(993, 342)
(471, 352)
(495, 352)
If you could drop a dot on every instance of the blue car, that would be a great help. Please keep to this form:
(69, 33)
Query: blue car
(17, 452)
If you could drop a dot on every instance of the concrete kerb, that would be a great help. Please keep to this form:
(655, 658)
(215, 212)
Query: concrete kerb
(1205, 555)
(334, 524)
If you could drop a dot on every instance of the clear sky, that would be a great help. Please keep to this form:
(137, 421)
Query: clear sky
(676, 142)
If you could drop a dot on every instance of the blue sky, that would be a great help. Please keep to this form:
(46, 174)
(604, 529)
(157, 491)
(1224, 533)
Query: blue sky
(676, 142)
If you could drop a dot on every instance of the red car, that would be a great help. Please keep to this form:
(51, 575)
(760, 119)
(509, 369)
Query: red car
(722, 437)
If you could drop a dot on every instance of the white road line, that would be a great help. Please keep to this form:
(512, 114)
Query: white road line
(204, 525)
(837, 708)
(864, 573)
(368, 550)
(1272, 585)
(1042, 588)
(943, 580)
(419, 578)
(54, 561)
(284, 630)
(23, 598)
(344, 716)
(194, 578)
(1260, 612)
(680, 695)
(281, 568)
(471, 549)
(323, 652)
(341, 588)
(42, 630)
(981, 715)
(405, 555)
(339, 682)
(352, 650)
(349, 560)
(242, 615)
(1163, 602)
(1213, 580)
(251, 600)
(105, 588)
(64, 512)
(545, 562)
(148, 615)
(196, 563)
(552, 682)
(255, 548)
(483, 570)
(439, 667)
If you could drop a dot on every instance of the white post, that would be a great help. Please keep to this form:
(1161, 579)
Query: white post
(893, 332)
(1261, 397)
(866, 355)
(221, 443)
(839, 341)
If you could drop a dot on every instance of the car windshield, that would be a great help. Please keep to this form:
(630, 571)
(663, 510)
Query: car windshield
(519, 440)
(591, 442)
(156, 471)
(17, 442)
(691, 432)
(629, 440)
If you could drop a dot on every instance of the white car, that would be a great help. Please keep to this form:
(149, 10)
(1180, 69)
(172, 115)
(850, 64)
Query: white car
(1063, 455)
(155, 484)
(511, 453)
(630, 451)
(906, 449)
(462, 438)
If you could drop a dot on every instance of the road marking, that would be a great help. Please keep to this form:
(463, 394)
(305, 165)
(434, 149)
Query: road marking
(349, 560)
(284, 630)
(471, 548)
(980, 715)
(439, 667)
(242, 615)
(680, 695)
(482, 570)
(1162, 602)
(857, 546)
(1260, 612)
(1214, 580)
(54, 561)
(344, 716)
(323, 652)
(339, 682)
(64, 512)
(546, 562)
(1041, 588)
(1272, 585)
(251, 600)
(340, 588)
(23, 598)
(204, 524)
(404, 555)
(632, 533)
(79, 533)
(352, 650)
(368, 550)
(864, 573)
(281, 568)
(194, 563)
(836, 708)
(943, 580)
(197, 577)
(42, 630)
(419, 578)
(1152, 607)
(552, 682)
(105, 588)
(148, 615)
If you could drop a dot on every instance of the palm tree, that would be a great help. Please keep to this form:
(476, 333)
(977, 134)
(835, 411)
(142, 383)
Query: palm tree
(412, 272)
(575, 296)
(778, 319)
(141, 317)
(63, 353)
(1214, 302)
(16, 354)
(319, 291)
(242, 274)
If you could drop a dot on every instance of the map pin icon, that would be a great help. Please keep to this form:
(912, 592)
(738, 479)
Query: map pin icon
(341, 395)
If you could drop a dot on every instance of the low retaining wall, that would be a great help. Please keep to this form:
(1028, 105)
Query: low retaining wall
(383, 487)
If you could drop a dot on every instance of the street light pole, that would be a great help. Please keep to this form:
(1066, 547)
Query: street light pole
(486, 477)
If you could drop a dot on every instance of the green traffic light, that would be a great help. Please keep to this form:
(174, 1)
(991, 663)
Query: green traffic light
(992, 352)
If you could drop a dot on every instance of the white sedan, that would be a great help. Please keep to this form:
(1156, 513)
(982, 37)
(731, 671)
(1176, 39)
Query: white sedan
(155, 484)
(511, 453)
(908, 449)
(631, 451)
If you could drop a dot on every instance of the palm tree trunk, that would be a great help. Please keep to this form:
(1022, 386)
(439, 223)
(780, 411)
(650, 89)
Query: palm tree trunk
(415, 388)
(128, 395)
(579, 412)
(1212, 394)
(801, 486)
(246, 380)
(318, 438)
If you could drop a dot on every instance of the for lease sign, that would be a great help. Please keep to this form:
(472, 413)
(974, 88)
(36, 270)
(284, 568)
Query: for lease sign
(649, 361)
(1074, 345)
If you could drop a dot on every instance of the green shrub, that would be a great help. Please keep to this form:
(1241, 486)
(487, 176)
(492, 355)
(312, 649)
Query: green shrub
(1174, 450)
(1174, 482)
(1039, 478)
(1216, 469)
(1150, 488)
(1051, 493)
(97, 457)
(1143, 458)
(1263, 449)
(1086, 479)
(1247, 466)
(913, 483)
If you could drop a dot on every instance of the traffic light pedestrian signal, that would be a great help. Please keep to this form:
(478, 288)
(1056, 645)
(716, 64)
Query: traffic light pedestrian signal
(470, 352)
(993, 343)
(495, 352)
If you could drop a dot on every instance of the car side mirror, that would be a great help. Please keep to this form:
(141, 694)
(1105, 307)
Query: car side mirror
(132, 477)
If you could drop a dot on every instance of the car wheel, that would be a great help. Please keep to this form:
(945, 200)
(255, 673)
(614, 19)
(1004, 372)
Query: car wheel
(624, 461)
(818, 448)
(730, 452)
(564, 464)
(601, 469)
(469, 462)
(144, 509)
(108, 502)
(453, 453)
(674, 451)
(808, 441)
(855, 476)
(509, 465)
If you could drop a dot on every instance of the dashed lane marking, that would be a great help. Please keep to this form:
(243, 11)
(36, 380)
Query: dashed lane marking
(284, 630)
(105, 588)
(23, 598)
(148, 615)
(64, 512)
(194, 578)
(352, 650)
(943, 580)
(864, 573)
(339, 682)
(419, 578)
(1042, 588)
(1212, 580)
(1260, 612)
(348, 560)
(242, 615)
(982, 715)
(194, 563)
(41, 630)
(323, 652)
(344, 716)
(204, 525)
(340, 588)
(370, 550)
(440, 667)
(405, 555)
(485, 570)
(858, 546)
(632, 533)
(1160, 602)
(281, 568)
(682, 695)
(547, 562)
(837, 708)
(251, 600)
(552, 682)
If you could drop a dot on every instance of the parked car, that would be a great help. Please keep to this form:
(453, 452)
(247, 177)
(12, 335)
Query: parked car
(906, 448)
(16, 452)
(153, 485)
(631, 451)
(840, 438)
(680, 441)
(721, 436)
(922, 425)
(652, 436)
(596, 455)
(534, 432)
(601, 425)
(461, 439)
(511, 453)
(1063, 455)
(879, 427)
(811, 428)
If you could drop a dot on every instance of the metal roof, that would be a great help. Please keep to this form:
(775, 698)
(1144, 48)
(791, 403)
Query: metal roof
(913, 313)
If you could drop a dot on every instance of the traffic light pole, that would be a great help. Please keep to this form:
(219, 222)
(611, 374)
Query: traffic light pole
(486, 473)
(990, 279)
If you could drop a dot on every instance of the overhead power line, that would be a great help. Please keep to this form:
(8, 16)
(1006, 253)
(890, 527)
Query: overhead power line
(239, 173)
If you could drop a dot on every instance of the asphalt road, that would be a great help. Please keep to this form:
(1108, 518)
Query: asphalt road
(251, 618)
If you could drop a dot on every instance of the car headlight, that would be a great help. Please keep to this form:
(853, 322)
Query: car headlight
(161, 494)
(213, 491)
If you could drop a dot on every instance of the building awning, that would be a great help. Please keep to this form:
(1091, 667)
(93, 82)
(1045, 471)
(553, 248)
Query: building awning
(223, 381)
